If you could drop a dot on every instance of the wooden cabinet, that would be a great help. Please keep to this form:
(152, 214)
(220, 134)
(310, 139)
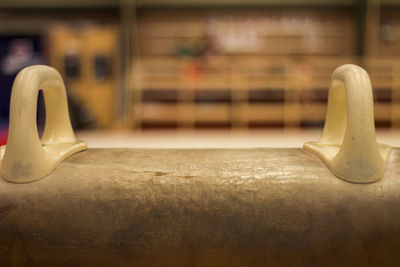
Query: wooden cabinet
(87, 59)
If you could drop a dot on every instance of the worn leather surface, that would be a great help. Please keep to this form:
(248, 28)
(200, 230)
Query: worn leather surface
(216, 207)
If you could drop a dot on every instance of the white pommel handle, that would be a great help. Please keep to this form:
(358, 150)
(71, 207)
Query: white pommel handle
(348, 143)
(26, 158)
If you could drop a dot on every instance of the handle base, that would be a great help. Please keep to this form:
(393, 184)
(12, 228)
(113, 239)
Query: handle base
(328, 152)
(56, 152)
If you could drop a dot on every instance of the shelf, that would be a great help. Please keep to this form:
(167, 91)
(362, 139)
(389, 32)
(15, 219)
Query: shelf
(212, 113)
(265, 113)
(313, 112)
(159, 112)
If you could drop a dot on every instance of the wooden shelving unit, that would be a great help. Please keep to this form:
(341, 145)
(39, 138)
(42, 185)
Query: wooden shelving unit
(278, 76)
(281, 80)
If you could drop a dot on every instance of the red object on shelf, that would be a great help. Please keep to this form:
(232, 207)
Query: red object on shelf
(3, 136)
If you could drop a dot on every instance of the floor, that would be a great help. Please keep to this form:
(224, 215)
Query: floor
(214, 138)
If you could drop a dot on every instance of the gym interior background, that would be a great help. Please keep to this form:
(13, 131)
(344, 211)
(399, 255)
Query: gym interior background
(229, 73)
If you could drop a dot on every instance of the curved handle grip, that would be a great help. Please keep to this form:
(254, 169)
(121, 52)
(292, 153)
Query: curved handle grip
(26, 158)
(348, 142)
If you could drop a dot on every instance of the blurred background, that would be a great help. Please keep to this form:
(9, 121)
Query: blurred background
(202, 73)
